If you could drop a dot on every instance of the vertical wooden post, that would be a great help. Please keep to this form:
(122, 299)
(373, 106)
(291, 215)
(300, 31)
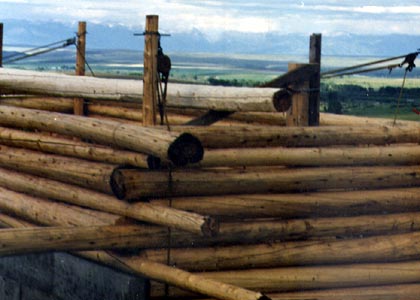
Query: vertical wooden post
(150, 84)
(315, 82)
(1, 45)
(298, 113)
(79, 103)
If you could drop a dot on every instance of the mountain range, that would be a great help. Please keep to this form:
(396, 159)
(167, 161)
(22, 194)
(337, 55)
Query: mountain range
(100, 36)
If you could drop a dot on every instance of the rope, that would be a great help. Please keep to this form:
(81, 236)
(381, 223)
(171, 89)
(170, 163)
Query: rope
(397, 110)
(84, 58)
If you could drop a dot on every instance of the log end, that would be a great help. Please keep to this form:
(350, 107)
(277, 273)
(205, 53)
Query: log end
(282, 100)
(210, 227)
(186, 149)
(117, 184)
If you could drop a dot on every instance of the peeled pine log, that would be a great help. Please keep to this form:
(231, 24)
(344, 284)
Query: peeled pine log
(134, 184)
(69, 147)
(178, 148)
(63, 105)
(277, 136)
(373, 249)
(344, 120)
(310, 278)
(48, 212)
(71, 170)
(314, 157)
(41, 239)
(303, 205)
(179, 95)
(166, 216)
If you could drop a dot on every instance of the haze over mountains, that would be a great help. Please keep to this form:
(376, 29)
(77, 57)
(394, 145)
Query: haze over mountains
(18, 32)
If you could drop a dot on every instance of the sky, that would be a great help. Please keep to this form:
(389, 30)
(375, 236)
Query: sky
(213, 17)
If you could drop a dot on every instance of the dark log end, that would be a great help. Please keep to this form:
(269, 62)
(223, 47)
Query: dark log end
(282, 100)
(117, 184)
(186, 149)
(210, 227)
(153, 162)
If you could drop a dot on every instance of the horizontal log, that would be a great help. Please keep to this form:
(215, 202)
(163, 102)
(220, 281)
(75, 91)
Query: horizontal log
(258, 136)
(314, 157)
(134, 184)
(303, 205)
(328, 119)
(70, 170)
(386, 248)
(63, 105)
(51, 189)
(311, 278)
(179, 95)
(42, 239)
(70, 147)
(178, 148)
(47, 212)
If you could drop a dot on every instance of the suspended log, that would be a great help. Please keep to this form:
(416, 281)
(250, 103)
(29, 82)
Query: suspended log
(63, 105)
(308, 278)
(179, 95)
(314, 157)
(45, 188)
(303, 205)
(70, 147)
(71, 170)
(237, 136)
(134, 184)
(178, 148)
(41, 239)
(374, 249)
(47, 212)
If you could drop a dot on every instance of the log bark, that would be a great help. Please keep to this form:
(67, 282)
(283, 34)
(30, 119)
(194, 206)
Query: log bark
(243, 137)
(191, 222)
(386, 248)
(314, 157)
(311, 278)
(70, 147)
(179, 95)
(303, 205)
(70, 170)
(134, 184)
(178, 148)
(63, 105)
(344, 120)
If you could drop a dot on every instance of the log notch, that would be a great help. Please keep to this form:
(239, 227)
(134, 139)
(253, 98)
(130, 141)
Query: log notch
(79, 105)
(386, 248)
(133, 184)
(303, 205)
(191, 222)
(68, 147)
(311, 278)
(273, 136)
(315, 157)
(71, 170)
(178, 148)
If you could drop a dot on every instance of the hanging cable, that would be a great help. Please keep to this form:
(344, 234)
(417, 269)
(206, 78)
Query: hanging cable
(16, 57)
(397, 109)
(84, 58)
